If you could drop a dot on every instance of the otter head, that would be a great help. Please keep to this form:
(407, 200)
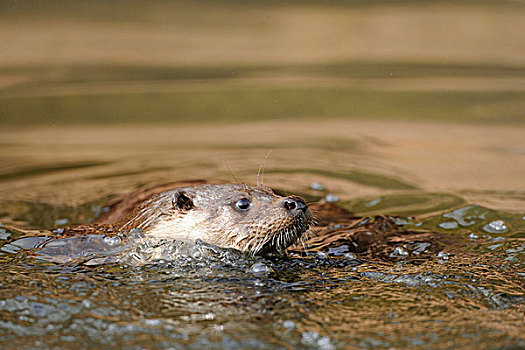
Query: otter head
(250, 219)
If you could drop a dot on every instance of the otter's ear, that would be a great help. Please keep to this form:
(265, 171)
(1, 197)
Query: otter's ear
(182, 201)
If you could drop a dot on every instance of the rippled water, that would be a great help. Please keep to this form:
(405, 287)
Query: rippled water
(409, 110)
(469, 294)
(461, 298)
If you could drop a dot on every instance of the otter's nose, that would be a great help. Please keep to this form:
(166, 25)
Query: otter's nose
(294, 204)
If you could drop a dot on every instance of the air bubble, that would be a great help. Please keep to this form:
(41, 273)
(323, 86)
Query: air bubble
(112, 241)
(399, 252)
(443, 255)
(496, 226)
(331, 198)
(317, 186)
(260, 268)
(449, 225)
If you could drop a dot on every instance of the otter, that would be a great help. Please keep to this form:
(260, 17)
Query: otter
(250, 219)
(148, 224)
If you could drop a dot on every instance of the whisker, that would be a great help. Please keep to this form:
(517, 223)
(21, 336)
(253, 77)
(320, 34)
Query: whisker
(261, 167)
(231, 172)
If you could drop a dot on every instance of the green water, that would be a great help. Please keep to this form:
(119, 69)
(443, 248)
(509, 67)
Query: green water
(236, 94)
(399, 108)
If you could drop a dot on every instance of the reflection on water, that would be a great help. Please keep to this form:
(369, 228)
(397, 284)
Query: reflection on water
(471, 292)
(423, 111)
(467, 94)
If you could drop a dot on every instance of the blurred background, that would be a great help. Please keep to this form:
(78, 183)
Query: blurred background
(390, 107)
(408, 107)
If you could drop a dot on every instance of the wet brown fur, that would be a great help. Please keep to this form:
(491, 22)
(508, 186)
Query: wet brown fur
(369, 237)
(211, 216)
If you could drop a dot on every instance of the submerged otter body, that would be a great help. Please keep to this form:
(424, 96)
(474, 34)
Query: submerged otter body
(250, 219)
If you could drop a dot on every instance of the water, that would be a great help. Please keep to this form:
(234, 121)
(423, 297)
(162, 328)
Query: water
(469, 292)
(390, 116)
(319, 302)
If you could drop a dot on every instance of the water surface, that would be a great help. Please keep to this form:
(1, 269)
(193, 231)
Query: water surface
(409, 110)
(470, 294)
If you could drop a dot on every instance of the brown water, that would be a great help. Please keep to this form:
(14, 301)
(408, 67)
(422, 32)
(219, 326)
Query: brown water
(394, 108)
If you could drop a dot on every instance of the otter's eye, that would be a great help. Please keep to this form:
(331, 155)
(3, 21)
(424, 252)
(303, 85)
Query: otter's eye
(243, 204)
